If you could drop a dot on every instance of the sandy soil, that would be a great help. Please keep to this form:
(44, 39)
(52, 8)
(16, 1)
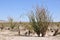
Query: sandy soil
(28, 38)
(7, 35)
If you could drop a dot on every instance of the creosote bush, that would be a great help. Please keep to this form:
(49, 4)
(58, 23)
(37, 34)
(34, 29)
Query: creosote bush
(39, 20)
(11, 23)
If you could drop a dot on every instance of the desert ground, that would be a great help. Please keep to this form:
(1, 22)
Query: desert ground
(28, 38)
(9, 35)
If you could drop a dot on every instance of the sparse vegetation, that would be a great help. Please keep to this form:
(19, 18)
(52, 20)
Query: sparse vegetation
(39, 22)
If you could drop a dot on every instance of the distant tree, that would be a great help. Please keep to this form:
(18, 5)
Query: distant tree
(39, 20)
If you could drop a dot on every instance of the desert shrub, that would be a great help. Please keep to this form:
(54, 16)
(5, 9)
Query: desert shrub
(39, 20)
(11, 23)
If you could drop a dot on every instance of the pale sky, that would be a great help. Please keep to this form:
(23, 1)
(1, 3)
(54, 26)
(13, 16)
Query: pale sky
(16, 8)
